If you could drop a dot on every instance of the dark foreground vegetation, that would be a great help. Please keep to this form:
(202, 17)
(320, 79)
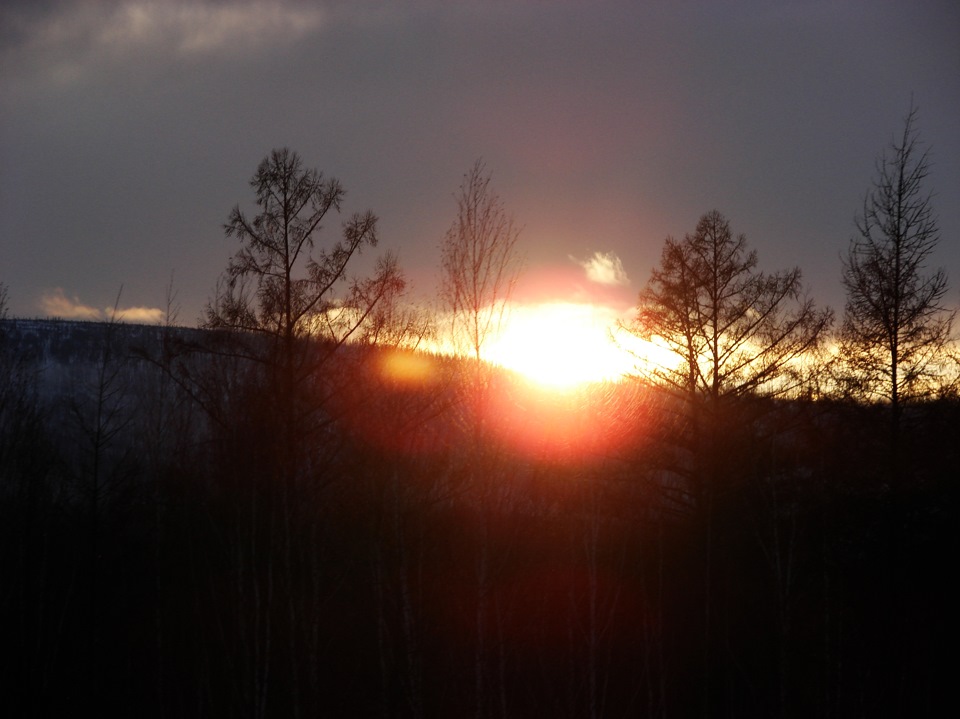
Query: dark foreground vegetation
(175, 543)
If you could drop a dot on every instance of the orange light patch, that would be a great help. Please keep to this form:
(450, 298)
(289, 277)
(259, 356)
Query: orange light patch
(407, 368)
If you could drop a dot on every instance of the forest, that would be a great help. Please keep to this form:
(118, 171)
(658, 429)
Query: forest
(160, 559)
(300, 509)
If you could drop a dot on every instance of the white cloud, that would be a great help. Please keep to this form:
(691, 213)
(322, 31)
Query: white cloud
(56, 304)
(138, 315)
(604, 268)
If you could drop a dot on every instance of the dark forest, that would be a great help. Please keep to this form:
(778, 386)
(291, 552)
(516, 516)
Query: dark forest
(173, 546)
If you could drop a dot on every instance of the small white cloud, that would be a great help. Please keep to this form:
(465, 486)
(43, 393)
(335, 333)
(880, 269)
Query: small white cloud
(56, 304)
(138, 315)
(604, 268)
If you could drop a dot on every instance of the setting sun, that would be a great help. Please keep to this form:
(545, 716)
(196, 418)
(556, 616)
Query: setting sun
(561, 344)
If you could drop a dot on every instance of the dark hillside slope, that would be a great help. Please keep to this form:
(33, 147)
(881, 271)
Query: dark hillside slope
(427, 540)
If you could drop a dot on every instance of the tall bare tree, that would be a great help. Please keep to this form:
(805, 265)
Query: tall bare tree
(734, 331)
(895, 325)
(480, 262)
(893, 343)
(277, 287)
(291, 306)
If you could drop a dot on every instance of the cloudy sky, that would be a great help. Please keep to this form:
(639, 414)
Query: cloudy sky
(129, 129)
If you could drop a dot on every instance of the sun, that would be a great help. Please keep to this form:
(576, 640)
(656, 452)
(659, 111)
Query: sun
(561, 344)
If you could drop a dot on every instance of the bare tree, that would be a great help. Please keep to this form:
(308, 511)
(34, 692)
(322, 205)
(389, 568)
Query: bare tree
(480, 262)
(733, 332)
(732, 329)
(893, 343)
(304, 319)
(895, 326)
(291, 307)
(278, 243)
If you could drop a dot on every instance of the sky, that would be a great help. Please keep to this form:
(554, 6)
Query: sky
(129, 129)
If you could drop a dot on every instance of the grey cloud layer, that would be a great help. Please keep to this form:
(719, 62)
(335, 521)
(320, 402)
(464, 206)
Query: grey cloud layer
(129, 129)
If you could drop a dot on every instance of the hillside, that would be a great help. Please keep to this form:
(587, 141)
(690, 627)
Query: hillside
(410, 534)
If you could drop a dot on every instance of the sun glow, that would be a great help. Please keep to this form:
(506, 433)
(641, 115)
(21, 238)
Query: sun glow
(561, 344)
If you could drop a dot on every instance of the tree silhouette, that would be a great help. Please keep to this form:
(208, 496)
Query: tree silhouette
(277, 242)
(734, 332)
(302, 318)
(732, 329)
(895, 326)
(290, 307)
(480, 262)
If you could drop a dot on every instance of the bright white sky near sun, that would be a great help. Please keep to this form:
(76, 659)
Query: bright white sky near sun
(128, 130)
